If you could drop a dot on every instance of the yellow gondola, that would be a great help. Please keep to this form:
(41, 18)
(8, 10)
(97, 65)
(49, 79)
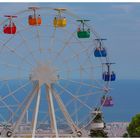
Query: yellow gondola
(59, 21)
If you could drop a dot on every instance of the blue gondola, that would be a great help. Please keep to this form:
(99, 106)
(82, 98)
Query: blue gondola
(100, 52)
(109, 77)
(113, 76)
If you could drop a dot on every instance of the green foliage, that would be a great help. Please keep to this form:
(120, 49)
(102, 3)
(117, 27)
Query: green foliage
(98, 133)
(98, 118)
(125, 135)
(134, 127)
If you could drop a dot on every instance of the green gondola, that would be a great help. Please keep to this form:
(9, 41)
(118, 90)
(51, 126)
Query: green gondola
(82, 32)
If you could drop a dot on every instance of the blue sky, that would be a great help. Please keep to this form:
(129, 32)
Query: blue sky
(118, 22)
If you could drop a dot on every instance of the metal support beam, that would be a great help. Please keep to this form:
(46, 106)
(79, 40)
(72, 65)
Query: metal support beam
(27, 116)
(52, 116)
(50, 111)
(36, 113)
(72, 125)
(33, 93)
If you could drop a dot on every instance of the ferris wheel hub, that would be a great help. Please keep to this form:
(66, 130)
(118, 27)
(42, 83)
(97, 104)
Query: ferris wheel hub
(44, 73)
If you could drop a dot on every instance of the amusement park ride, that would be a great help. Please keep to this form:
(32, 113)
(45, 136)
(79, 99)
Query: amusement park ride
(45, 74)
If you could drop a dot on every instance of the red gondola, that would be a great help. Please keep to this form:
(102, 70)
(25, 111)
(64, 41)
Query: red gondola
(11, 27)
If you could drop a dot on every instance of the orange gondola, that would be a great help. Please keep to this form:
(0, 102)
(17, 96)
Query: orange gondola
(34, 20)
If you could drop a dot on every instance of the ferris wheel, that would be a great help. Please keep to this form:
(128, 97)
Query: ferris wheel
(55, 74)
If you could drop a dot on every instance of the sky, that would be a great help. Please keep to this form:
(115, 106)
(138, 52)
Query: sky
(118, 22)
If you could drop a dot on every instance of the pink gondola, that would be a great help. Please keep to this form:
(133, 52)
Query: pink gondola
(107, 102)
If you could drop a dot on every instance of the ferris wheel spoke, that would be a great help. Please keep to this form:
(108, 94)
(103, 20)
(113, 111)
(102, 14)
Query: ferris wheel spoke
(32, 95)
(6, 105)
(52, 42)
(74, 96)
(63, 48)
(77, 109)
(78, 41)
(24, 28)
(86, 100)
(81, 83)
(78, 69)
(19, 56)
(19, 107)
(92, 70)
(3, 118)
(57, 109)
(38, 37)
(81, 44)
(82, 69)
(9, 90)
(6, 78)
(12, 66)
(15, 91)
(65, 113)
(11, 106)
(89, 94)
(75, 55)
(6, 42)
(85, 68)
(84, 121)
(88, 121)
(28, 46)
(66, 45)
(10, 38)
(14, 51)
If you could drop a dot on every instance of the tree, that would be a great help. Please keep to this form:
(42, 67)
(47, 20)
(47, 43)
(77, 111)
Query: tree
(98, 133)
(134, 127)
(125, 135)
(99, 130)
